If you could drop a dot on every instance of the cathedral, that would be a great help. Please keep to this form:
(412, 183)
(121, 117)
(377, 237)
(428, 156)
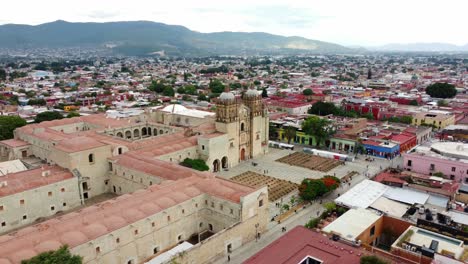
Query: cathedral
(245, 121)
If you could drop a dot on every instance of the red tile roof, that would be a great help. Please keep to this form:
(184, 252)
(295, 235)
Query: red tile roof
(301, 242)
(31, 179)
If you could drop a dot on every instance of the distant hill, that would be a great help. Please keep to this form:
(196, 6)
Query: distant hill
(424, 47)
(144, 37)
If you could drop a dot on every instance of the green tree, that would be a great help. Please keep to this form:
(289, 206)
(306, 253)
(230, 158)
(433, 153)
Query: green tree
(441, 90)
(8, 124)
(196, 164)
(318, 127)
(372, 260)
(307, 92)
(442, 103)
(216, 86)
(73, 114)
(310, 189)
(157, 86)
(181, 90)
(202, 97)
(264, 93)
(168, 91)
(61, 255)
(290, 133)
(190, 89)
(323, 109)
(3, 74)
(47, 116)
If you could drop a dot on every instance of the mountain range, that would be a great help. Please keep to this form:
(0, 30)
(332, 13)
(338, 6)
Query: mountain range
(144, 38)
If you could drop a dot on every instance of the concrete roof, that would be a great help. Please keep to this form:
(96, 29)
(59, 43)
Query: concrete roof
(182, 110)
(11, 166)
(352, 223)
(406, 196)
(389, 207)
(363, 194)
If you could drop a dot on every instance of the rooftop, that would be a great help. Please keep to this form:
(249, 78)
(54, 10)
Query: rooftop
(352, 223)
(79, 227)
(299, 243)
(31, 179)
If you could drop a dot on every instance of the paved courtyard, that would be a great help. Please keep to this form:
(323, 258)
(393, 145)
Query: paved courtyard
(269, 166)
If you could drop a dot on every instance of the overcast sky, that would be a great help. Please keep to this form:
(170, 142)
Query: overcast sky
(347, 22)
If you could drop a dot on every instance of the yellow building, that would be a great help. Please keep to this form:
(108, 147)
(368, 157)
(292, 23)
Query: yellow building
(438, 119)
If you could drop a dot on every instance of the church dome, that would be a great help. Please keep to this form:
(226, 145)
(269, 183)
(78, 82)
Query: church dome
(226, 96)
(251, 93)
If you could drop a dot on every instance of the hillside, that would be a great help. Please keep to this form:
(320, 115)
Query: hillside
(143, 37)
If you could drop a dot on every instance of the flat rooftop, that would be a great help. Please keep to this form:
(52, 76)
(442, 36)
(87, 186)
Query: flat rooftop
(352, 223)
(423, 238)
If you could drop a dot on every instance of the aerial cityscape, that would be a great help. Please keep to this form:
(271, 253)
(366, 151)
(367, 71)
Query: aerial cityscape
(217, 133)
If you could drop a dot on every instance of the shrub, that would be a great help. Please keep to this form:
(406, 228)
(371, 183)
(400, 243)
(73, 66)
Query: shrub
(313, 223)
(372, 260)
(196, 164)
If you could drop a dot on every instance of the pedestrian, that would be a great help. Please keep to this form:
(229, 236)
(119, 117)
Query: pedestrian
(229, 258)
(318, 212)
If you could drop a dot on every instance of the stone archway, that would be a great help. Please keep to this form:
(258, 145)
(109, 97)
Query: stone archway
(149, 131)
(144, 132)
(242, 154)
(155, 132)
(136, 133)
(128, 134)
(119, 134)
(216, 165)
(224, 162)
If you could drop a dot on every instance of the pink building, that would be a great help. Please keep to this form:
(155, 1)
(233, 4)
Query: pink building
(449, 158)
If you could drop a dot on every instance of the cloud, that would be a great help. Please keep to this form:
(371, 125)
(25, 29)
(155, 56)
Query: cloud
(357, 22)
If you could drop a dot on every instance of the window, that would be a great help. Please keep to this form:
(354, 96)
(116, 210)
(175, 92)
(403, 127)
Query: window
(120, 150)
(210, 227)
(410, 163)
(221, 207)
(179, 237)
(131, 262)
(206, 202)
(452, 177)
(466, 180)
(183, 211)
(49, 193)
(150, 183)
(232, 211)
(25, 217)
(1, 207)
(22, 201)
(242, 127)
(135, 232)
(91, 158)
(117, 240)
(201, 224)
(453, 168)
(260, 203)
(52, 208)
(203, 147)
(153, 224)
(372, 231)
(212, 204)
(4, 223)
(432, 167)
(196, 205)
(98, 249)
(168, 218)
(62, 189)
(64, 204)
(155, 250)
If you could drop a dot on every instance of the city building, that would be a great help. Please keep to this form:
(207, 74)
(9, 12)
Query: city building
(448, 158)
(137, 156)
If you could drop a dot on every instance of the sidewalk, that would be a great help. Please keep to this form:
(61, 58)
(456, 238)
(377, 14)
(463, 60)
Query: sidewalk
(243, 253)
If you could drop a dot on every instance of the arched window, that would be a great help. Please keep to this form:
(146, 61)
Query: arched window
(242, 127)
(120, 150)
(91, 158)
